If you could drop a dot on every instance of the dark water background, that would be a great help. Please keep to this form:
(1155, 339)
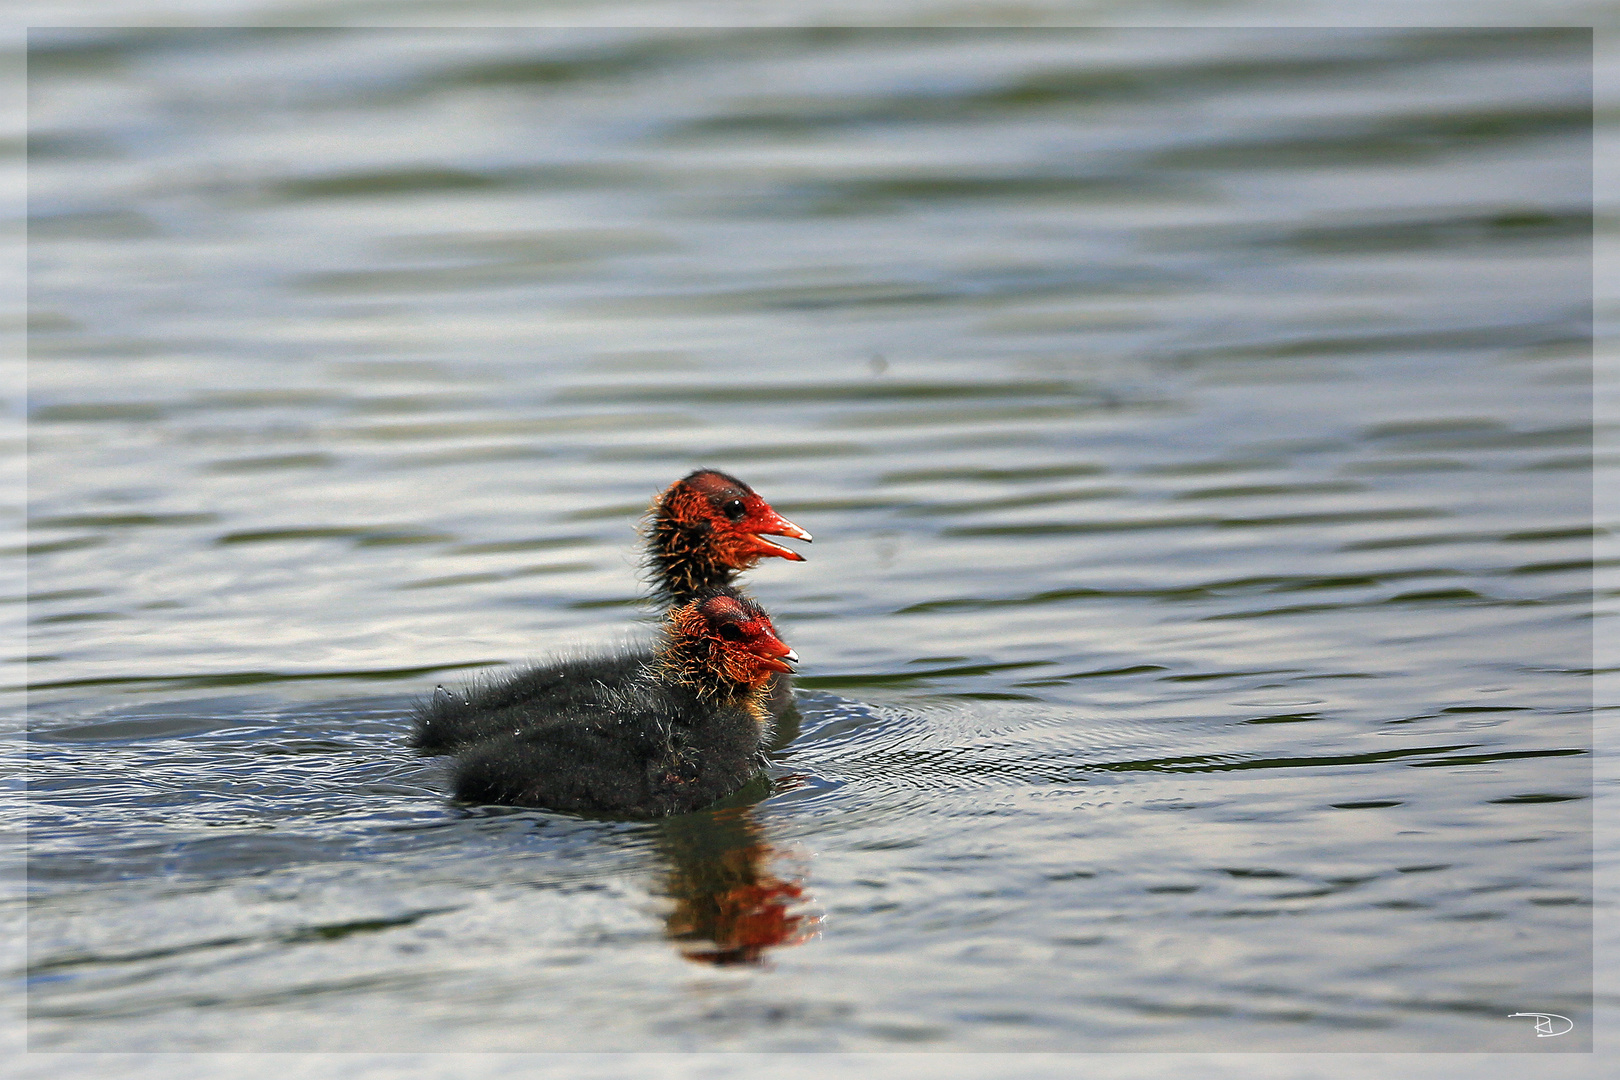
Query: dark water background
(1195, 427)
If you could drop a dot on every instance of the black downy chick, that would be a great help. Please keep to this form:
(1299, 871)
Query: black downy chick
(685, 731)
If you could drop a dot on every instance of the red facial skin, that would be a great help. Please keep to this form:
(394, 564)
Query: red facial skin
(737, 541)
(734, 640)
(744, 539)
(704, 530)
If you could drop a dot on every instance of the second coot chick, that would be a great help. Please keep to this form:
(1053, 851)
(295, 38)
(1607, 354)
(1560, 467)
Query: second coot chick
(686, 731)
(703, 531)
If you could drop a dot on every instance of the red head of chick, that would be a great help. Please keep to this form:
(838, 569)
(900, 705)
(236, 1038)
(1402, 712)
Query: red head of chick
(722, 646)
(705, 529)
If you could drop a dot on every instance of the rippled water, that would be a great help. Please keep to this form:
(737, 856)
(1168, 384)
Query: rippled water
(1195, 427)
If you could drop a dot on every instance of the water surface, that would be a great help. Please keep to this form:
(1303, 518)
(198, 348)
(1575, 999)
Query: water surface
(1195, 428)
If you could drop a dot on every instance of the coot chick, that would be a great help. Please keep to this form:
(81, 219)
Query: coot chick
(684, 732)
(703, 530)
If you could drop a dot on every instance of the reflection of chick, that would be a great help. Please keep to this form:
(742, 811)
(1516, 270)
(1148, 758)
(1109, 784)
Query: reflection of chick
(728, 907)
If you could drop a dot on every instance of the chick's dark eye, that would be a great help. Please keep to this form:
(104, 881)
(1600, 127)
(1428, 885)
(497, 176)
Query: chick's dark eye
(731, 632)
(735, 510)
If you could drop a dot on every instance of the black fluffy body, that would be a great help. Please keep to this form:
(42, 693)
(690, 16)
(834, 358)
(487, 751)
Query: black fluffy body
(452, 719)
(501, 705)
(646, 748)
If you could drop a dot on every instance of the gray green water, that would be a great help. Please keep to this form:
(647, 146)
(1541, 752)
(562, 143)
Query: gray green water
(1195, 429)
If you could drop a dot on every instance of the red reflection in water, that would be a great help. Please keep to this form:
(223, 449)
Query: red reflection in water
(729, 907)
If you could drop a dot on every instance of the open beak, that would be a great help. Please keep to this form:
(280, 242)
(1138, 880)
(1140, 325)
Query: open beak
(768, 522)
(781, 662)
